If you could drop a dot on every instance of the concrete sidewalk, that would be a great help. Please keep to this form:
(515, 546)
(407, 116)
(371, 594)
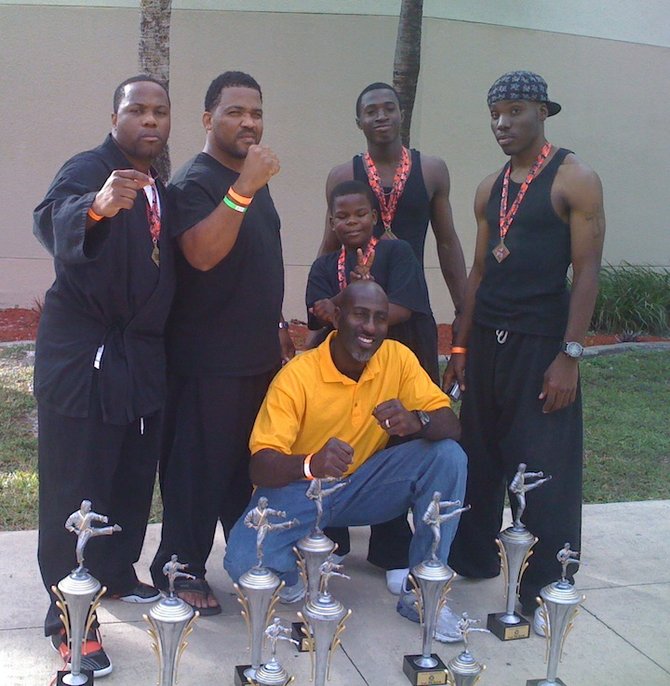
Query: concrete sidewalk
(621, 636)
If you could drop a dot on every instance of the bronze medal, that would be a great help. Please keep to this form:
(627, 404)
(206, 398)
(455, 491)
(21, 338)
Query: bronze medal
(501, 251)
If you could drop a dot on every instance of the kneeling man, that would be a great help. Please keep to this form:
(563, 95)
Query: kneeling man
(330, 413)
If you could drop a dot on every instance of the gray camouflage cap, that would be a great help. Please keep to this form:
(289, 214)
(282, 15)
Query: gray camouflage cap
(522, 85)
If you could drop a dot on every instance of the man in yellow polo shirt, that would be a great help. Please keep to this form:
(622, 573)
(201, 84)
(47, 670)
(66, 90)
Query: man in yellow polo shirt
(330, 413)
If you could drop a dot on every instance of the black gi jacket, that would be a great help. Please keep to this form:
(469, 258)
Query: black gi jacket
(107, 292)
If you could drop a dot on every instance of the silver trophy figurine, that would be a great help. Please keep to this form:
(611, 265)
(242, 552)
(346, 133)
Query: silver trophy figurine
(79, 593)
(273, 673)
(313, 550)
(257, 590)
(559, 603)
(171, 621)
(464, 670)
(515, 545)
(431, 580)
(324, 619)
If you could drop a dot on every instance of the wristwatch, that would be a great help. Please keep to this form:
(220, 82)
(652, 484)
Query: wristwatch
(572, 349)
(424, 418)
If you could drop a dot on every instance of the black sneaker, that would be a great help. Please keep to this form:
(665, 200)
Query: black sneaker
(139, 593)
(93, 655)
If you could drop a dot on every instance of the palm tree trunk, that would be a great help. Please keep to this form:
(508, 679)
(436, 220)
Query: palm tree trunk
(407, 60)
(154, 56)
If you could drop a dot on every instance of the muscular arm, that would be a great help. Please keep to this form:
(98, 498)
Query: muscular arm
(456, 368)
(449, 250)
(271, 469)
(581, 189)
(210, 240)
(343, 172)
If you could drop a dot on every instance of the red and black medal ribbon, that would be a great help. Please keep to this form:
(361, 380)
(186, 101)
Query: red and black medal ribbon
(341, 267)
(154, 219)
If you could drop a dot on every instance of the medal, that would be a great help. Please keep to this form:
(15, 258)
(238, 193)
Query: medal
(387, 209)
(501, 251)
(155, 255)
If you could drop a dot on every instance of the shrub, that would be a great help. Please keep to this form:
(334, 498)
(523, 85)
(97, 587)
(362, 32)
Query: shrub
(633, 298)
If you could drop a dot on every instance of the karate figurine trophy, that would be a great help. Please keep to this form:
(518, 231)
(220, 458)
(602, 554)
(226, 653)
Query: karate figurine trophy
(324, 619)
(79, 593)
(258, 588)
(313, 550)
(559, 602)
(171, 620)
(464, 670)
(515, 545)
(431, 580)
(272, 673)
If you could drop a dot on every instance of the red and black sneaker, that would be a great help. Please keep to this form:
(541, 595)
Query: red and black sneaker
(93, 655)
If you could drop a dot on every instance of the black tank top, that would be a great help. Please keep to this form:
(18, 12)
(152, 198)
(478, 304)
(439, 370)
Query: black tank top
(527, 292)
(413, 210)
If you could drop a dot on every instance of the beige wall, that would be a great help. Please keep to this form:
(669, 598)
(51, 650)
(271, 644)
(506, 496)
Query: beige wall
(62, 64)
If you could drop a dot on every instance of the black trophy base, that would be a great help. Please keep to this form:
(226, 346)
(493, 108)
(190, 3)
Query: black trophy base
(85, 674)
(298, 634)
(240, 677)
(540, 682)
(508, 632)
(422, 676)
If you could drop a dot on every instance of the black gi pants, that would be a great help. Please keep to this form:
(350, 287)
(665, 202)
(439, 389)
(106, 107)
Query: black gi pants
(204, 467)
(112, 466)
(502, 426)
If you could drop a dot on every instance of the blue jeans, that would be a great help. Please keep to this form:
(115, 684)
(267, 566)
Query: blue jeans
(385, 486)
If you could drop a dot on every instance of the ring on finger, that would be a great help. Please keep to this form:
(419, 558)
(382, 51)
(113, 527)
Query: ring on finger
(387, 423)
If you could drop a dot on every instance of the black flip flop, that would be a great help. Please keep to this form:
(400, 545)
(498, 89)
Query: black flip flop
(201, 588)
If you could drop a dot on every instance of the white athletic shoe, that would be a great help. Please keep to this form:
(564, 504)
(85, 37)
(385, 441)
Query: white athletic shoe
(292, 594)
(539, 622)
(395, 578)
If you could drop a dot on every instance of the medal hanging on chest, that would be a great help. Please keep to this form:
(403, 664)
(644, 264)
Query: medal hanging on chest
(154, 219)
(501, 251)
(341, 262)
(387, 208)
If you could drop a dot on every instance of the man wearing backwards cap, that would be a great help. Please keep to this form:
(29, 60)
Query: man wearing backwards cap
(516, 355)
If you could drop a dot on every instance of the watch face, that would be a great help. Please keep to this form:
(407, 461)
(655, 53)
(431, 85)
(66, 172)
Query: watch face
(574, 349)
(424, 418)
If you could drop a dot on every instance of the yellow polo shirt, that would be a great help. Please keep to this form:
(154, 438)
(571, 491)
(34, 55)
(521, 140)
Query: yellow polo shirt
(310, 401)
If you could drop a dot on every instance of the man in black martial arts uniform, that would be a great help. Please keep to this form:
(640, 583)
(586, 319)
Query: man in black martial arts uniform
(100, 362)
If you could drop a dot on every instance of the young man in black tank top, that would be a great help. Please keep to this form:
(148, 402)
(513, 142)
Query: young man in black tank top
(518, 347)
(422, 197)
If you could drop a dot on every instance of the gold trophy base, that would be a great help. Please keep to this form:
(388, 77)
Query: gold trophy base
(298, 634)
(508, 632)
(84, 678)
(544, 682)
(423, 676)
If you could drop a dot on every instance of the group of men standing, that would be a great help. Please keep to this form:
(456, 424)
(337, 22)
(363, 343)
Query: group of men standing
(163, 340)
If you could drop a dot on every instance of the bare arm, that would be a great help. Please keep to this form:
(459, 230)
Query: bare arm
(397, 420)
(581, 189)
(206, 243)
(456, 368)
(343, 172)
(449, 250)
(271, 469)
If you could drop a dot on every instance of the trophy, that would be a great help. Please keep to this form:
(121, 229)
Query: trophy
(514, 544)
(313, 550)
(559, 603)
(324, 619)
(272, 673)
(464, 670)
(257, 589)
(171, 620)
(79, 593)
(431, 580)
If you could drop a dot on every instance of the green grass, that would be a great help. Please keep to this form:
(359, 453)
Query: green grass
(627, 442)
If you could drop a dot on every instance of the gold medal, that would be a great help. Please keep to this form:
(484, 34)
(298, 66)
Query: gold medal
(155, 255)
(501, 251)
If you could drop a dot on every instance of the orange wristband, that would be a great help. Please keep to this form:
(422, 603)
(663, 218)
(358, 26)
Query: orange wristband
(239, 199)
(94, 216)
(457, 350)
(305, 467)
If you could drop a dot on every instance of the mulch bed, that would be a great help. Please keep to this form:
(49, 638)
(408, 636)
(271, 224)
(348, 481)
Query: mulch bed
(19, 324)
